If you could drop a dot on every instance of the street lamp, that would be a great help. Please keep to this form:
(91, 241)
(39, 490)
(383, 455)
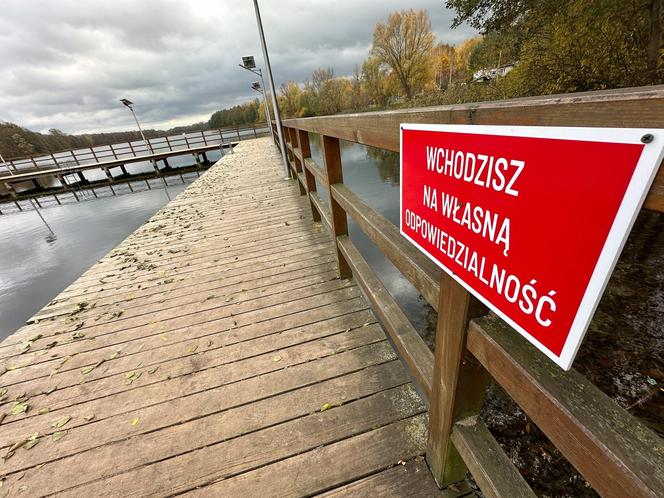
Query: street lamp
(249, 64)
(129, 104)
(275, 105)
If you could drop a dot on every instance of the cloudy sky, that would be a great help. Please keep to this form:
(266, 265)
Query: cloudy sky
(65, 63)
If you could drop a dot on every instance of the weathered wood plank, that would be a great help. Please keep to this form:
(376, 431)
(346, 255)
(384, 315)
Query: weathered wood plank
(333, 171)
(256, 449)
(487, 462)
(330, 465)
(411, 478)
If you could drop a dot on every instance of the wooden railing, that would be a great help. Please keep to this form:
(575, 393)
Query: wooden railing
(617, 454)
(133, 148)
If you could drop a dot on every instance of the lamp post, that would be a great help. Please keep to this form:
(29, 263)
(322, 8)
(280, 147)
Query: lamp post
(129, 104)
(249, 64)
(275, 105)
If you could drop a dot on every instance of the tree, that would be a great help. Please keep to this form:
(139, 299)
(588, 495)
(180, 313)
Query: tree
(375, 79)
(570, 45)
(405, 44)
(289, 100)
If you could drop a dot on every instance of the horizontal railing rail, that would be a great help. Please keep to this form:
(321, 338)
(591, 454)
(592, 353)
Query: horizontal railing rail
(616, 453)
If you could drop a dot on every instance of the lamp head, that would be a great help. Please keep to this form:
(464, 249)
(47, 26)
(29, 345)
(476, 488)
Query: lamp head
(249, 62)
(126, 102)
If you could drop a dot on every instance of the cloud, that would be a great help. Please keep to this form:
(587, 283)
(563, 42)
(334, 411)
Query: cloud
(65, 64)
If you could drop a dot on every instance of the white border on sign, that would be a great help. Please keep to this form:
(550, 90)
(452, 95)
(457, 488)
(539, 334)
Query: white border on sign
(637, 190)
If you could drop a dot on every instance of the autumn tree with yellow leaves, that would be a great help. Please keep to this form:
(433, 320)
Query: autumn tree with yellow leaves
(405, 44)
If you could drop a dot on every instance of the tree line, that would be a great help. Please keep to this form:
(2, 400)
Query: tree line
(17, 141)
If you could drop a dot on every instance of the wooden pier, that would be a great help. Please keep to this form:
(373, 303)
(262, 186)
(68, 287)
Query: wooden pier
(22, 179)
(248, 368)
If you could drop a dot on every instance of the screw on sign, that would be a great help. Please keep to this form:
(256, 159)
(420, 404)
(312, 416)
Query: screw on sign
(531, 220)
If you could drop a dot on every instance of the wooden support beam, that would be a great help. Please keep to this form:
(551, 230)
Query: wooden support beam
(490, 466)
(459, 381)
(332, 160)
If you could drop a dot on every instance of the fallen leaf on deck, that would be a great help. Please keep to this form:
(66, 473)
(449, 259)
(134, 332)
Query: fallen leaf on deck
(153, 370)
(140, 348)
(61, 421)
(326, 406)
(192, 348)
(32, 441)
(50, 390)
(20, 407)
(89, 417)
(163, 338)
(58, 435)
(87, 370)
(135, 421)
(115, 355)
(42, 411)
(276, 359)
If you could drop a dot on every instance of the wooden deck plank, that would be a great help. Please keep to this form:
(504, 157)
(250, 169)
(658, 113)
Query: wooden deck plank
(216, 349)
(330, 465)
(410, 479)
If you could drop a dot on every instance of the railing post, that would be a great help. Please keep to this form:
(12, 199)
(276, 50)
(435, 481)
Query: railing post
(458, 383)
(113, 151)
(333, 172)
(204, 139)
(291, 133)
(305, 150)
(289, 155)
(237, 130)
(131, 148)
(168, 142)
